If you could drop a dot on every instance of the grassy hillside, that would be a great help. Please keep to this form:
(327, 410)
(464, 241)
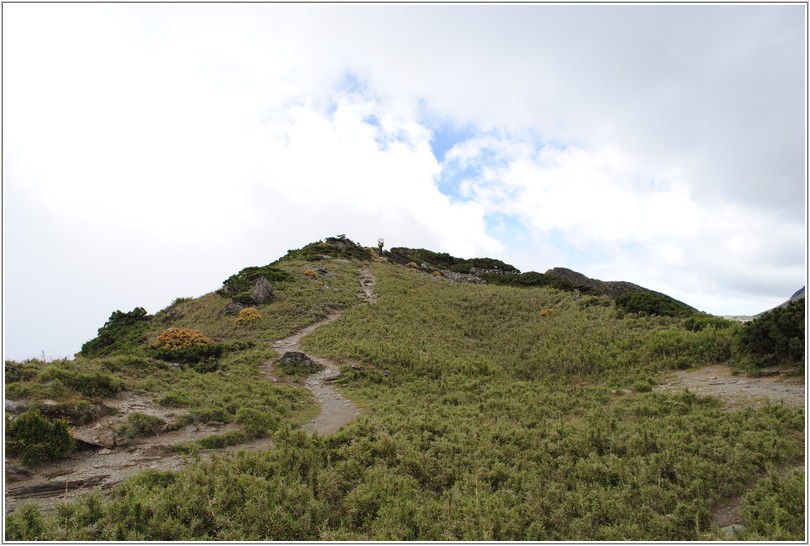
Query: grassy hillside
(492, 412)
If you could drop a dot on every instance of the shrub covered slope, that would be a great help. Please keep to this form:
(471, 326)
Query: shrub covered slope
(492, 412)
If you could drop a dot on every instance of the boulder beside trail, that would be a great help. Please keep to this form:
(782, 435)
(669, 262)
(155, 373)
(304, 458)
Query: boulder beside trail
(297, 363)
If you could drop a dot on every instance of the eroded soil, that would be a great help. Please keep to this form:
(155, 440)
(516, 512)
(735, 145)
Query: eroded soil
(737, 390)
(93, 466)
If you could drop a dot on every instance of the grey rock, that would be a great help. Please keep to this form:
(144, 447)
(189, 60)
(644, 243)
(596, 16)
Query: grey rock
(107, 439)
(733, 530)
(16, 473)
(462, 277)
(231, 309)
(262, 291)
(104, 451)
(297, 362)
(13, 406)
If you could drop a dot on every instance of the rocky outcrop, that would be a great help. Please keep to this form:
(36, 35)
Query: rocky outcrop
(231, 309)
(296, 362)
(462, 277)
(262, 291)
(13, 406)
(103, 438)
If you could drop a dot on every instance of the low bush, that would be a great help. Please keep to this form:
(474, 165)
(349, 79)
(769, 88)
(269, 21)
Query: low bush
(774, 508)
(35, 439)
(76, 412)
(651, 303)
(333, 247)
(87, 384)
(187, 346)
(25, 371)
(241, 284)
(248, 315)
(474, 266)
(26, 524)
(255, 423)
(697, 323)
(776, 337)
(123, 332)
(142, 424)
(174, 399)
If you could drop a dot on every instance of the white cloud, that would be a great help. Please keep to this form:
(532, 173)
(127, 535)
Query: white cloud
(152, 150)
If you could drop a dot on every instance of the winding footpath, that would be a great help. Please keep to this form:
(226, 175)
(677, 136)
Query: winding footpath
(335, 410)
(88, 469)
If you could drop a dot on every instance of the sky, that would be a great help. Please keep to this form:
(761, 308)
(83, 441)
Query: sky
(152, 150)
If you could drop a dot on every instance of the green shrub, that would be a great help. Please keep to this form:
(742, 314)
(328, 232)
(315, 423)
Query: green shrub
(35, 439)
(774, 508)
(239, 286)
(333, 247)
(124, 363)
(697, 323)
(76, 412)
(652, 303)
(174, 399)
(776, 337)
(218, 441)
(255, 423)
(123, 332)
(25, 524)
(87, 384)
(142, 424)
(25, 371)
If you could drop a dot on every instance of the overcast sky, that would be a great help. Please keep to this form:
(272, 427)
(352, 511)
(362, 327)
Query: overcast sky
(152, 150)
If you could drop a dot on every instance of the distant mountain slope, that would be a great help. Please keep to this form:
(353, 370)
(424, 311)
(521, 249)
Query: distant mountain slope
(613, 289)
(798, 295)
(497, 272)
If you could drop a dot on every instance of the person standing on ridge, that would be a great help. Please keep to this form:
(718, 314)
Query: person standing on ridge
(380, 243)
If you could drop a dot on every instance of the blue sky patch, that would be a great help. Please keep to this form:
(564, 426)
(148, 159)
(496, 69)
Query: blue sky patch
(507, 227)
(447, 135)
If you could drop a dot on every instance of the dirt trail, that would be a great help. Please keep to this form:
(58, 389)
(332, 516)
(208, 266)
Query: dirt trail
(336, 410)
(737, 390)
(93, 466)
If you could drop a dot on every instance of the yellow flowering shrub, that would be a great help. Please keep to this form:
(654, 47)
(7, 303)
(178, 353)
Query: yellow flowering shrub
(437, 274)
(310, 273)
(181, 338)
(544, 312)
(248, 315)
(412, 264)
(187, 345)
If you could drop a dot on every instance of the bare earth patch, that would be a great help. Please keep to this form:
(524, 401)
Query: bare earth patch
(737, 390)
(92, 467)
